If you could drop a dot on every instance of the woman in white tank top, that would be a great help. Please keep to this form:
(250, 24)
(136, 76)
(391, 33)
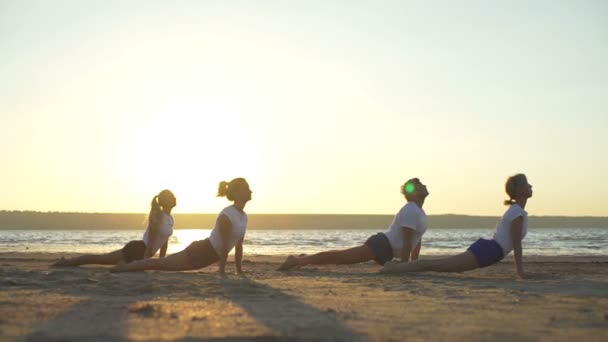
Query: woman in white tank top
(510, 231)
(228, 233)
(156, 236)
(403, 239)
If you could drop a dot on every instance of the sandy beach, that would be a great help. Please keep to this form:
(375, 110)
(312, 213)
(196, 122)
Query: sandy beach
(566, 300)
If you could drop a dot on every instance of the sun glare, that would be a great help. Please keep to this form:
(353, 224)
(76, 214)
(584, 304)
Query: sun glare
(189, 147)
(182, 238)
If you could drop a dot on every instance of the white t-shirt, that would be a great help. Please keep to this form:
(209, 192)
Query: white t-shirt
(239, 226)
(165, 230)
(503, 228)
(411, 216)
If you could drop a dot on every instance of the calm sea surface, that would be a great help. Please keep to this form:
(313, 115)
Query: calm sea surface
(547, 241)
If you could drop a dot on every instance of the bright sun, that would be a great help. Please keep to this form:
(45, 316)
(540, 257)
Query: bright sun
(190, 147)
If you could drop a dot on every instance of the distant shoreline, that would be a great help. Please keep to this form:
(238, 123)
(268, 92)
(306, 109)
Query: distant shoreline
(27, 220)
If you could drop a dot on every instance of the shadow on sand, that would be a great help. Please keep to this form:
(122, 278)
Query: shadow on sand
(109, 304)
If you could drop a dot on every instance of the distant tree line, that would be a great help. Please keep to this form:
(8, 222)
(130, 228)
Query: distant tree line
(62, 220)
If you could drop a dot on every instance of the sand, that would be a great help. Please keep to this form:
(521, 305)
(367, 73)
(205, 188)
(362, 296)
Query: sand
(566, 300)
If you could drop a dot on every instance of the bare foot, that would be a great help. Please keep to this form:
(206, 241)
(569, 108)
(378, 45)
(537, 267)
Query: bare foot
(120, 267)
(63, 262)
(289, 263)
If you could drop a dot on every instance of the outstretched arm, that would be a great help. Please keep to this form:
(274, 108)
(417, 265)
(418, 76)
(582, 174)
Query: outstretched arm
(416, 251)
(163, 249)
(225, 231)
(238, 256)
(516, 229)
(408, 237)
(153, 232)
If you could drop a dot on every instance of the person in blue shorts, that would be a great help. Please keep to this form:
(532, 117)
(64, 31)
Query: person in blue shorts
(510, 231)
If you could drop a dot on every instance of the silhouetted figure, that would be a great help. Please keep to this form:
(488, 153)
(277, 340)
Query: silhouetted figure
(158, 232)
(228, 233)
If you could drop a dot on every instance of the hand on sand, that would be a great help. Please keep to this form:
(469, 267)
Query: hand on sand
(288, 264)
(528, 276)
(390, 267)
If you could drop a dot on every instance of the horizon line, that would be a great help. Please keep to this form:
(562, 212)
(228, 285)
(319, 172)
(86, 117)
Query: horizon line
(310, 214)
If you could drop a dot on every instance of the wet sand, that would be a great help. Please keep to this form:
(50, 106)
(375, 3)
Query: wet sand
(567, 299)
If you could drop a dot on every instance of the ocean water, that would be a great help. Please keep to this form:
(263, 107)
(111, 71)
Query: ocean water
(546, 241)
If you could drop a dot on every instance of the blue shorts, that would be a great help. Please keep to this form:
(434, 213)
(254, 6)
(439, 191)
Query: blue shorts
(381, 248)
(487, 252)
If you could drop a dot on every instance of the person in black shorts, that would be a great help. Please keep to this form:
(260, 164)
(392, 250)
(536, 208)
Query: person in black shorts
(402, 240)
(228, 233)
(157, 234)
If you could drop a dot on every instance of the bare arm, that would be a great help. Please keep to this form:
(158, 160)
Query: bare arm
(225, 231)
(152, 233)
(516, 229)
(163, 249)
(416, 251)
(238, 256)
(408, 237)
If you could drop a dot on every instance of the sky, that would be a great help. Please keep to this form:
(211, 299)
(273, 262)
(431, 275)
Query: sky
(323, 106)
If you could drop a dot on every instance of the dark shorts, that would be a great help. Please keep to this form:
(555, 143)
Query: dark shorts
(487, 252)
(201, 254)
(381, 247)
(134, 250)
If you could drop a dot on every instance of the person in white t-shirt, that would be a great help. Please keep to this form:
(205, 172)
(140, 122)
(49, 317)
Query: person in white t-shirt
(402, 240)
(228, 233)
(510, 231)
(156, 237)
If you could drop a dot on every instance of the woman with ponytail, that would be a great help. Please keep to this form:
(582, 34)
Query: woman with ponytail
(160, 224)
(510, 231)
(228, 233)
(156, 237)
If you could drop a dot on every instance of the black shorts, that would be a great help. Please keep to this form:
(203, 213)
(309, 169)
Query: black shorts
(201, 254)
(381, 247)
(134, 250)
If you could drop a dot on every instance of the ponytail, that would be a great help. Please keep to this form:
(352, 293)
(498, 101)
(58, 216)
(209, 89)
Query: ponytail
(222, 190)
(226, 189)
(154, 210)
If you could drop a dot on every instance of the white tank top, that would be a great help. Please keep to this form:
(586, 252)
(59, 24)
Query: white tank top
(165, 230)
(411, 216)
(503, 228)
(238, 220)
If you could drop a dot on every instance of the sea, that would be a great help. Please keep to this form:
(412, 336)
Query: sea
(438, 241)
